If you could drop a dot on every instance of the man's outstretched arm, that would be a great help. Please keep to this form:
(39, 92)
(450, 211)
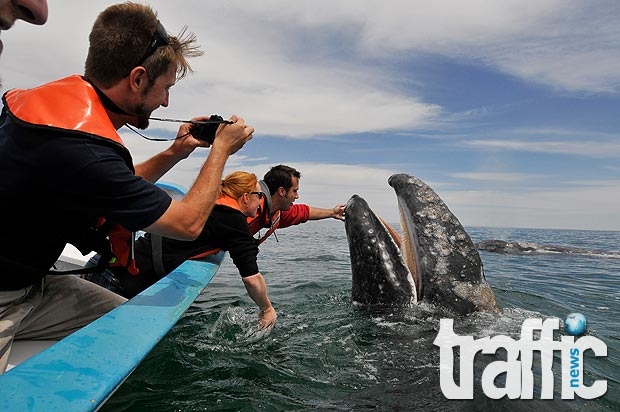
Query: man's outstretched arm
(337, 212)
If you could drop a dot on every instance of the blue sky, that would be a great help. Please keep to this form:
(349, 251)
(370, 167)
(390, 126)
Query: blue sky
(508, 109)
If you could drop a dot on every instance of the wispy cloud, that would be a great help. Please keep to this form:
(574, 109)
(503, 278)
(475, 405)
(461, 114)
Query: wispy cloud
(586, 148)
(493, 177)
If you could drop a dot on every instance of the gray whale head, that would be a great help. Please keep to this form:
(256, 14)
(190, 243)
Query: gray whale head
(435, 255)
(380, 275)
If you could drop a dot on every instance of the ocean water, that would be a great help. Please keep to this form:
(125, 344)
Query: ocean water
(326, 354)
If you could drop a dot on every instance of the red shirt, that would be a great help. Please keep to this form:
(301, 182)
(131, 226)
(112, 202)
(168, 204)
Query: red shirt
(298, 213)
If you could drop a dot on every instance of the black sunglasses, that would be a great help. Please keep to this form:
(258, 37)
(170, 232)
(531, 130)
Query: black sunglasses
(160, 38)
(259, 194)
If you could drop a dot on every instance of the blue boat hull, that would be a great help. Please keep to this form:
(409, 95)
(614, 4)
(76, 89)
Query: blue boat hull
(80, 372)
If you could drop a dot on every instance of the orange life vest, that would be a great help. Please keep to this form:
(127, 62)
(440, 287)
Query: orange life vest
(255, 223)
(222, 201)
(72, 104)
(262, 218)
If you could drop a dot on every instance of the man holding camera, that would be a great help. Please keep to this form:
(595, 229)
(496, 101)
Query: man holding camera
(66, 176)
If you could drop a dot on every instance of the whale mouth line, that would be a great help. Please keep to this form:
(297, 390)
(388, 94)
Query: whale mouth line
(409, 247)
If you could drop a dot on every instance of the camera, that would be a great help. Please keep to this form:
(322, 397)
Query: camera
(205, 130)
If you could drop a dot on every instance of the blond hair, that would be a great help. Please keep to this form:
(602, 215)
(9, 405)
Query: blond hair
(237, 183)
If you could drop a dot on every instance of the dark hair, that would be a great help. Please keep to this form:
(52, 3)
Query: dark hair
(119, 38)
(280, 176)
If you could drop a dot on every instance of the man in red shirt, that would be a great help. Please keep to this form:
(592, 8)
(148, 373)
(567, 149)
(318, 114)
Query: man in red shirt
(279, 210)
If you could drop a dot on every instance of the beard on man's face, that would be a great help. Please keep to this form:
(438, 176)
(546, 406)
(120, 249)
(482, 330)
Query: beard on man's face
(142, 116)
(142, 113)
(143, 123)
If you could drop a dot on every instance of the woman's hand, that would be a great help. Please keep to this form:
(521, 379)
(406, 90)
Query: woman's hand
(267, 318)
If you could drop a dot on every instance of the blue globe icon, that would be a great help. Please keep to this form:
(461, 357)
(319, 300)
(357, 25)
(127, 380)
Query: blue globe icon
(575, 324)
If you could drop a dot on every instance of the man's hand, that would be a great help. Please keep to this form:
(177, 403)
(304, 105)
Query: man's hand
(338, 212)
(185, 142)
(232, 137)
